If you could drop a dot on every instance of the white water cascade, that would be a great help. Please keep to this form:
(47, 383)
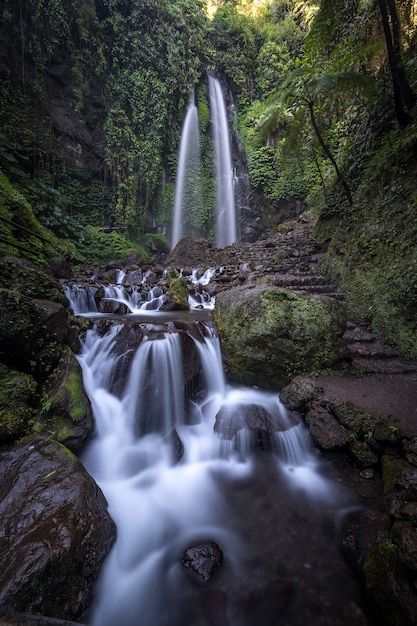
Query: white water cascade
(188, 192)
(226, 230)
(171, 481)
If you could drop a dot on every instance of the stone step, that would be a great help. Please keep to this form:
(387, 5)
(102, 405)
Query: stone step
(383, 366)
(371, 350)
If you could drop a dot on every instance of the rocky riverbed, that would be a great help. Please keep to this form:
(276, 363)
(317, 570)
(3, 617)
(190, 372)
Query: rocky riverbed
(359, 403)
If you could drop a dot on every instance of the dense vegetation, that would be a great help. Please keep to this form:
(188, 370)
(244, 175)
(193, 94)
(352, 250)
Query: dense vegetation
(92, 98)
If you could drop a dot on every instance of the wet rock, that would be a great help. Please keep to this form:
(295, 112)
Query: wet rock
(66, 412)
(176, 444)
(362, 530)
(13, 618)
(231, 419)
(190, 360)
(202, 560)
(269, 334)
(325, 429)
(55, 531)
(299, 393)
(134, 277)
(405, 536)
(134, 259)
(60, 268)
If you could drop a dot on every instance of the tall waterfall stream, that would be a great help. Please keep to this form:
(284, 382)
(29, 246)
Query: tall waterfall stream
(171, 481)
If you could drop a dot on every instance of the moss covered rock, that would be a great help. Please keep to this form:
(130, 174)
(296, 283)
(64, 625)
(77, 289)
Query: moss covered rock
(31, 332)
(66, 411)
(17, 391)
(269, 334)
(177, 295)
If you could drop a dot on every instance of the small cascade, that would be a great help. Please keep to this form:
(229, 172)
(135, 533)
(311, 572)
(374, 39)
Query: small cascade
(226, 230)
(81, 299)
(201, 299)
(156, 403)
(188, 192)
(177, 470)
(135, 298)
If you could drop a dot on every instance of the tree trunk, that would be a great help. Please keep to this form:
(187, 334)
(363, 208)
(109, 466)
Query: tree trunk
(328, 153)
(403, 95)
(408, 95)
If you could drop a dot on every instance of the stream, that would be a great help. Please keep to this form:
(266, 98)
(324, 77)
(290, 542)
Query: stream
(178, 467)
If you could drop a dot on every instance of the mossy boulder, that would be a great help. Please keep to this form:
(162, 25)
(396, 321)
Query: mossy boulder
(29, 280)
(177, 295)
(270, 334)
(32, 332)
(17, 392)
(66, 413)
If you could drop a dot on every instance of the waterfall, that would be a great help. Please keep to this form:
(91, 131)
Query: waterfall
(172, 479)
(188, 193)
(226, 232)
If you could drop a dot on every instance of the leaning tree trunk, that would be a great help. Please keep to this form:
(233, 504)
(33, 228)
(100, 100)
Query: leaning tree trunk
(328, 153)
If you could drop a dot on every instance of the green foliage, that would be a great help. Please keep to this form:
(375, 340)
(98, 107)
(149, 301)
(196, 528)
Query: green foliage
(376, 263)
(235, 42)
(20, 232)
(17, 395)
(97, 247)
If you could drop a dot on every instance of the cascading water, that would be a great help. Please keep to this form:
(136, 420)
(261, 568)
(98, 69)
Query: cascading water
(226, 231)
(188, 192)
(178, 470)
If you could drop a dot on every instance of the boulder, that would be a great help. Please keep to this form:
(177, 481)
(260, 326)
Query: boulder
(231, 419)
(55, 530)
(32, 331)
(326, 431)
(270, 334)
(202, 560)
(190, 251)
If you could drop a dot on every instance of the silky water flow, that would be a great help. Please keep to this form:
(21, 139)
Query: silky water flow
(170, 481)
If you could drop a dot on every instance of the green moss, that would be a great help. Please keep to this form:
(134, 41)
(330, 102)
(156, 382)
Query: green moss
(379, 569)
(391, 471)
(24, 237)
(17, 395)
(179, 289)
(79, 403)
(360, 422)
(270, 334)
(66, 414)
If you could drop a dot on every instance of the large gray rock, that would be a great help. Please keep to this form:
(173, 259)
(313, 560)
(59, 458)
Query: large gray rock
(270, 334)
(55, 530)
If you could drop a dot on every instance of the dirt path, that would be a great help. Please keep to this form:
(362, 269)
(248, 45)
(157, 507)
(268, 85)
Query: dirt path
(380, 394)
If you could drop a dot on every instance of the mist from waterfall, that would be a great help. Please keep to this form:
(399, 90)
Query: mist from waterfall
(188, 190)
(226, 230)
